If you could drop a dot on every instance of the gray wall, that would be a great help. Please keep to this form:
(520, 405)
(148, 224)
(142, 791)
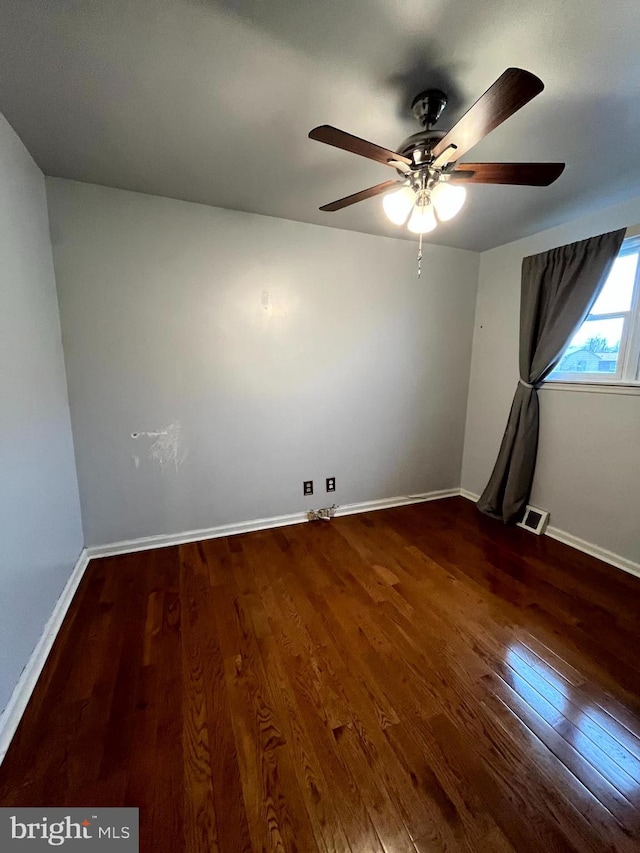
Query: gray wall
(283, 351)
(588, 471)
(40, 531)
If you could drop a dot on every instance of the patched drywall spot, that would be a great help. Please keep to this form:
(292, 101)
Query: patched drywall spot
(167, 449)
(136, 460)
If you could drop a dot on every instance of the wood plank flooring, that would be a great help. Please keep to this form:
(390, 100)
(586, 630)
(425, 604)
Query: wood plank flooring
(415, 679)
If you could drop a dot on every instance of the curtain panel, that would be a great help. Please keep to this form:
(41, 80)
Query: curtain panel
(558, 289)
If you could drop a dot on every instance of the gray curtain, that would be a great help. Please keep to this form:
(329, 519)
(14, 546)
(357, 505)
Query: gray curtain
(557, 292)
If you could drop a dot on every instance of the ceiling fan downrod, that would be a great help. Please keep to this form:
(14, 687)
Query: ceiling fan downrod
(428, 106)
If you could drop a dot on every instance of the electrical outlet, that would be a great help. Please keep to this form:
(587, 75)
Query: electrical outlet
(307, 487)
(331, 484)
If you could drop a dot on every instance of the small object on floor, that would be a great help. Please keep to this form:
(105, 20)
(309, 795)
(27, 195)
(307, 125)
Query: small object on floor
(325, 514)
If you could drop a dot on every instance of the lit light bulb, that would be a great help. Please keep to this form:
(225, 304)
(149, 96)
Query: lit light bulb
(422, 219)
(398, 204)
(447, 200)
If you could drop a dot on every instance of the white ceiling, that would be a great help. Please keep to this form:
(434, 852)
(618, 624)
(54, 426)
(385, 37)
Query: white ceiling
(211, 100)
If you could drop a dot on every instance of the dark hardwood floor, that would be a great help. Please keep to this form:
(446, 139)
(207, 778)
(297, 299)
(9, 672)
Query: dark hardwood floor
(418, 679)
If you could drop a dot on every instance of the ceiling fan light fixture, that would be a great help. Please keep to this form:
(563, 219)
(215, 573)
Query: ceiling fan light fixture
(447, 200)
(422, 220)
(397, 205)
(426, 161)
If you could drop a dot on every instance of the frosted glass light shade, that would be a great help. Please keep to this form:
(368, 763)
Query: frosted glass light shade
(398, 204)
(422, 219)
(447, 200)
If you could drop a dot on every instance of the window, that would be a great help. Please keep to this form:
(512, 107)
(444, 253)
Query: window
(606, 348)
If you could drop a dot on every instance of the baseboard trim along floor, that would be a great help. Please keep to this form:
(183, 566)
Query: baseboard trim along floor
(146, 543)
(579, 544)
(12, 714)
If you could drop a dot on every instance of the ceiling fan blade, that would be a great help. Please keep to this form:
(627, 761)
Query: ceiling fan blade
(339, 139)
(443, 159)
(525, 174)
(400, 165)
(512, 90)
(361, 196)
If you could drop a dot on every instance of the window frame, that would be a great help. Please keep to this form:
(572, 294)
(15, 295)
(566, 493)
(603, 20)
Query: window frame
(627, 371)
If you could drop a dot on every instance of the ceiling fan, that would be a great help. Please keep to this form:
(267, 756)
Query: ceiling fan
(429, 189)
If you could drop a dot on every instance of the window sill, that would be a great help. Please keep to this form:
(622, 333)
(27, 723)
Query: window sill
(632, 389)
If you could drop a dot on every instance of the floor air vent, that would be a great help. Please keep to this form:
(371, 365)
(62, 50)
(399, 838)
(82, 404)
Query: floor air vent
(534, 519)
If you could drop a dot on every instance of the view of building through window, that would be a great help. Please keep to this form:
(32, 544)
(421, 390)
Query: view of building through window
(604, 348)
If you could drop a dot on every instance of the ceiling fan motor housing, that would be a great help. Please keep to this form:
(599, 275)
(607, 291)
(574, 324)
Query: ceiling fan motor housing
(418, 146)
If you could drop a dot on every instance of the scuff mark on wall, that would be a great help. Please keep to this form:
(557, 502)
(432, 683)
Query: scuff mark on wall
(167, 449)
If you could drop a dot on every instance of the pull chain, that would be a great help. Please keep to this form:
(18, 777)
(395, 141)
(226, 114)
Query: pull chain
(421, 200)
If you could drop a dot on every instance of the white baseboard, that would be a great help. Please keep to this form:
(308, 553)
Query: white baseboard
(594, 550)
(17, 703)
(164, 540)
(580, 544)
(147, 543)
(388, 503)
